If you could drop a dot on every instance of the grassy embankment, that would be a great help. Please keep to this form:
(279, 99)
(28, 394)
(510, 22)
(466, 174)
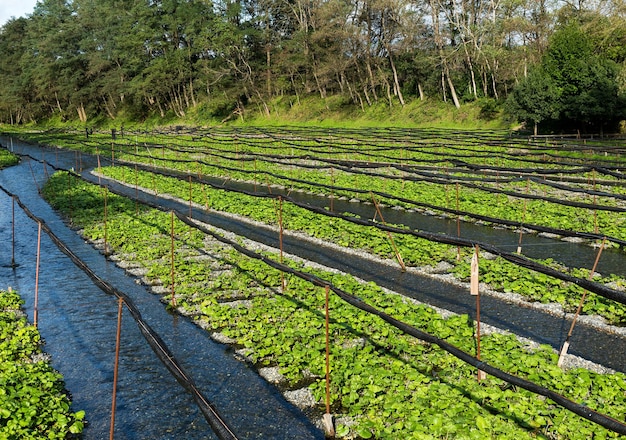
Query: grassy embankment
(331, 112)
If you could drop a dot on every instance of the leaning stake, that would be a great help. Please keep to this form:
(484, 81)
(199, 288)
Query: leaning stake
(393, 243)
(116, 365)
(578, 310)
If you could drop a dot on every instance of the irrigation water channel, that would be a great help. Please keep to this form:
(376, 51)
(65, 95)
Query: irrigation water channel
(78, 323)
(78, 320)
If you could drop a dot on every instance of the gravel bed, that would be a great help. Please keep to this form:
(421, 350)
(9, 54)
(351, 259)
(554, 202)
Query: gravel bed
(438, 272)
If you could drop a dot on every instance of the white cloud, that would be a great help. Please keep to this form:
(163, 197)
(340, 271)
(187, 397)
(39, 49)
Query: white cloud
(13, 8)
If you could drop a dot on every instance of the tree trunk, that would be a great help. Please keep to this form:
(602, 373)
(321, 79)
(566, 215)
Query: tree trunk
(455, 99)
(396, 82)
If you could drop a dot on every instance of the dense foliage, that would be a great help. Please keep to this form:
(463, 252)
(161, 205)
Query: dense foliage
(131, 59)
(33, 403)
(384, 384)
(7, 158)
(572, 87)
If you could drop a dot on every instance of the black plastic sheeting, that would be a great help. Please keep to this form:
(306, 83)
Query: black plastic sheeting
(579, 409)
(576, 408)
(517, 259)
(437, 180)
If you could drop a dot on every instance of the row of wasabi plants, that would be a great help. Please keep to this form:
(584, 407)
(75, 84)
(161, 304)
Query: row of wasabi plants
(33, 401)
(383, 383)
(498, 273)
(7, 158)
(429, 169)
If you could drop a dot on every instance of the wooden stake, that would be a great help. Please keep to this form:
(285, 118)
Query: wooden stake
(579, 309)
(474, 290)
(327, 420)
(116, 366)
(36, 307)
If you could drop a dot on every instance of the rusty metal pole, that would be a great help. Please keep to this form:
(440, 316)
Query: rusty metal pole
(393, 243)
(116, 366)
(579, 309)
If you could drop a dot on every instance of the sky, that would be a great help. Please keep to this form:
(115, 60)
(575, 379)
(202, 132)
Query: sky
(15, 8)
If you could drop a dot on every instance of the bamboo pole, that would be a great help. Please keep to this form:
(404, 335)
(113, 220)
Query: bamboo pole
(116, 366)
(579, 309)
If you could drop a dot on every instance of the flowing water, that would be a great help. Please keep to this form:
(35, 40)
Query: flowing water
(78, 320)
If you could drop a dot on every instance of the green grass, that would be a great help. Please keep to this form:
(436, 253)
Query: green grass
(334, 111)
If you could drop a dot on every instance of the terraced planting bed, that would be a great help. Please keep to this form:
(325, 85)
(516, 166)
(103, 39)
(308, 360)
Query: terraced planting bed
(384, 382)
